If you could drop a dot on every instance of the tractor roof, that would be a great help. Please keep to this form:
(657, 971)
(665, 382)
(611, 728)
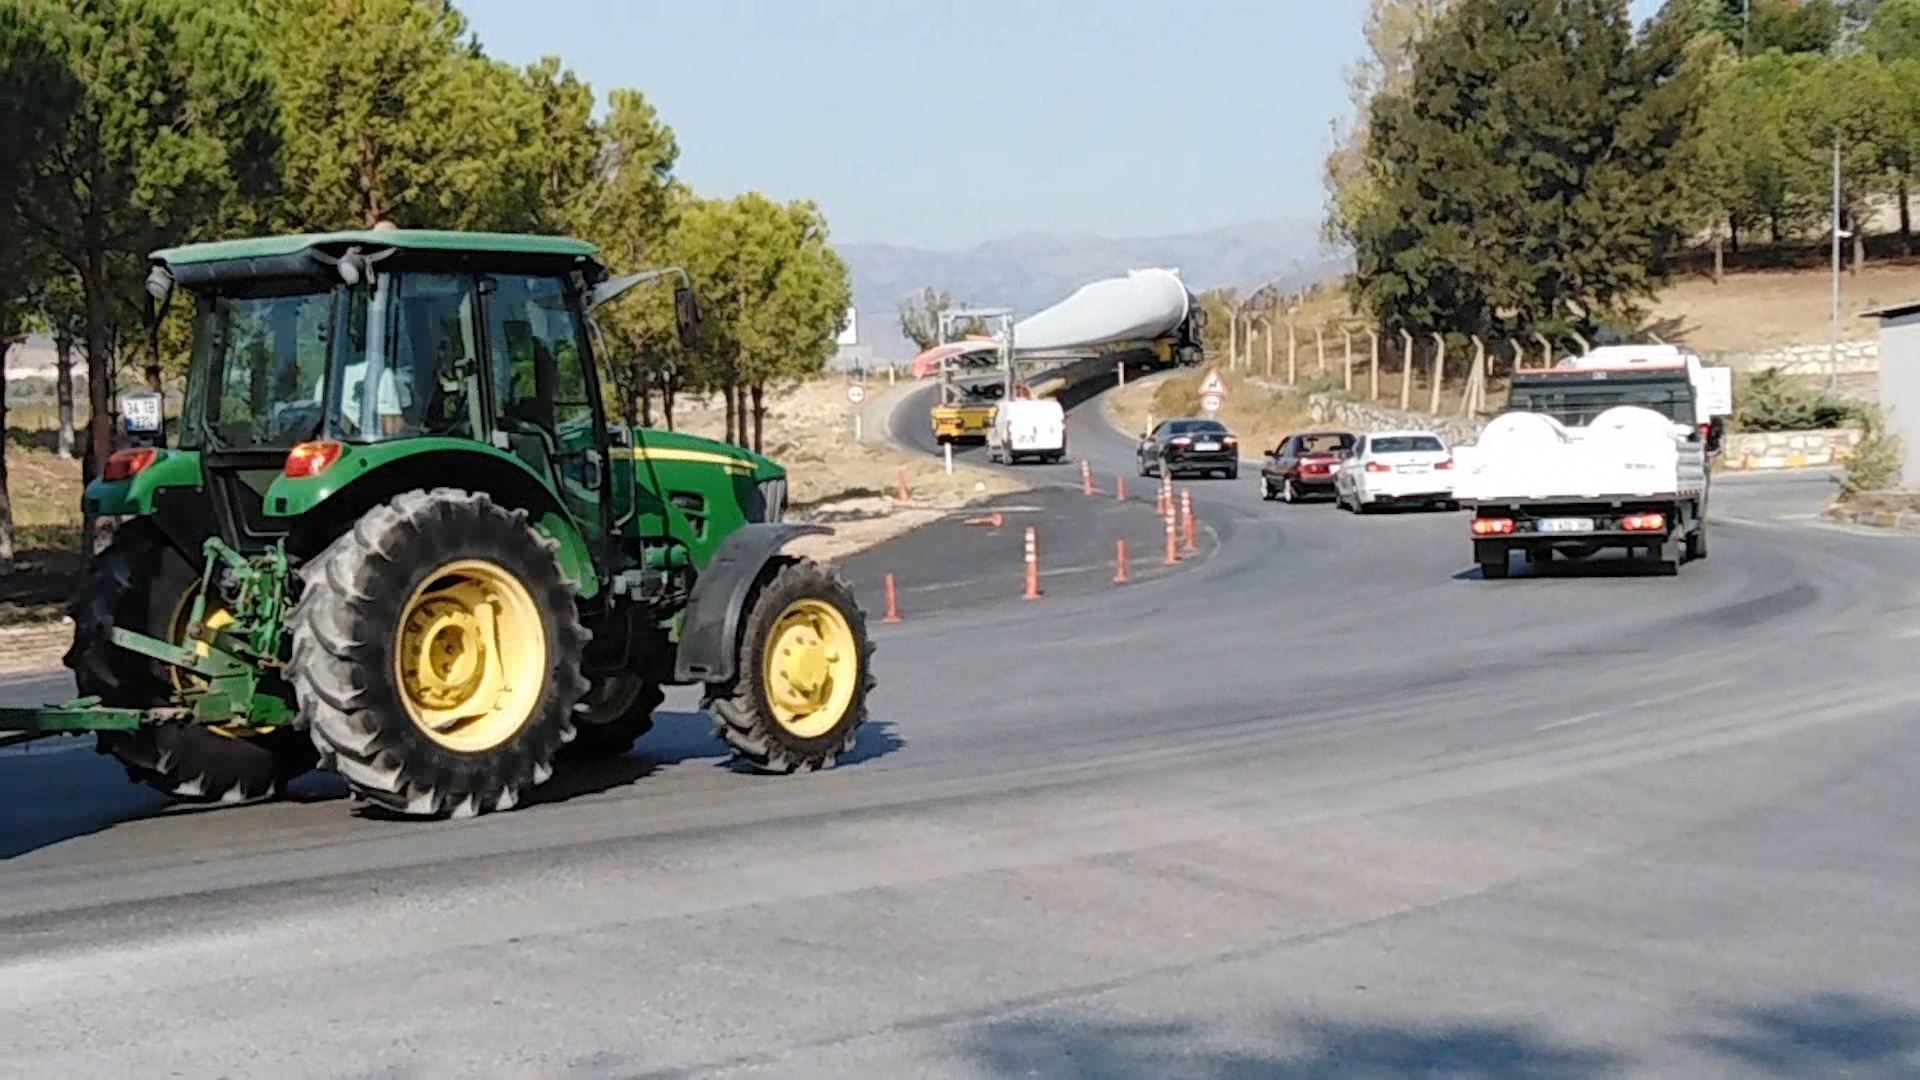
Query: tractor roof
(268, 247)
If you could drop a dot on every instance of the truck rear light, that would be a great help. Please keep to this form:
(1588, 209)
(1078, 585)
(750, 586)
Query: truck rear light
(1492, 526)
(1378, 466)
(1644, 522)
(311, 458)
(122, 464)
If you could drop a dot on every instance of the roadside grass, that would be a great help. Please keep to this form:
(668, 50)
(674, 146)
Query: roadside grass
(45, 491)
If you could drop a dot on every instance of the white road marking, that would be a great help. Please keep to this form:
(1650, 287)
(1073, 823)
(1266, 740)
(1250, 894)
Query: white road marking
(1658, 699)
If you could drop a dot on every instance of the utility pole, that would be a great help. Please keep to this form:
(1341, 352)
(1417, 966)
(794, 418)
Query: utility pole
(1833, 331)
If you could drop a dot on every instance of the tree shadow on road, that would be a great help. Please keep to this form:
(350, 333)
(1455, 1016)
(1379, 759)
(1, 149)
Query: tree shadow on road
(1030, 1047)
(1819, 1035)
(1824, 1035)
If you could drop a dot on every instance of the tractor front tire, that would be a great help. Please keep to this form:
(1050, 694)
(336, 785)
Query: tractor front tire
(799, 694)
(142, 583)
(436, 655)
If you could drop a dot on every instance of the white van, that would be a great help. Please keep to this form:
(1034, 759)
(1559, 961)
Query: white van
(1028, 428)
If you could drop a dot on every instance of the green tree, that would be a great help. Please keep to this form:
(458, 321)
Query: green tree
(1535, 171)
(1754, 169)
(1893, 33)
(1857, 103)
(796, 297)
(570, 149)
(171, 119)
(400, 117)
(1753, 27)
(1392, 29)
(630, 209)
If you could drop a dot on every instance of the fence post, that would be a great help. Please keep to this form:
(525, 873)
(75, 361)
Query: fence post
(1439, 373)
(1346, 358)
(1470, 399)
(1319, 349)
(1406, 373)
(1373, 366)
(1293, 353)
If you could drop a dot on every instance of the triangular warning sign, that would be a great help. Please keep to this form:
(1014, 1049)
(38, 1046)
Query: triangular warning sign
(1214, 384)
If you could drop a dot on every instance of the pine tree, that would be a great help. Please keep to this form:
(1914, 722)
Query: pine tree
(1534, 174)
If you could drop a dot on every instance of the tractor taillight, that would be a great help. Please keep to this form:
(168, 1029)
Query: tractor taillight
(311, 458)
(124, 463)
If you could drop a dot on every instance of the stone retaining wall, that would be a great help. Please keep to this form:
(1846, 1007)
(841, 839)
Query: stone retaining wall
(1364, 417)
(1855, 358)
(1788, 449)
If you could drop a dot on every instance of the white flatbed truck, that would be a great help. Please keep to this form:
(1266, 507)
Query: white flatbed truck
(1607, 450)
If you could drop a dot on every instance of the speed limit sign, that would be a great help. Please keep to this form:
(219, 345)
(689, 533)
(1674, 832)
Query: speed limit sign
(1210, 402)
(856, 393)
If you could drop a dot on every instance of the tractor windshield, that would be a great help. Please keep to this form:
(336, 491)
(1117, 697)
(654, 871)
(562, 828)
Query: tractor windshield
(261, 351)
(418, 372)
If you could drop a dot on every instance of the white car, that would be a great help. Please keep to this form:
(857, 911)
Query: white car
(1396, 468)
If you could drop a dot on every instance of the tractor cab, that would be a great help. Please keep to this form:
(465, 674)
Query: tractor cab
(310, 350)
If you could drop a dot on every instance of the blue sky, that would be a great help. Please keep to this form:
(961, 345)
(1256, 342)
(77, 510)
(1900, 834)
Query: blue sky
(1118, 117)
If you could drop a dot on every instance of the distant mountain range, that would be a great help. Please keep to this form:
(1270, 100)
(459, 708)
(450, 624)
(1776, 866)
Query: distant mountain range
(1032, 271)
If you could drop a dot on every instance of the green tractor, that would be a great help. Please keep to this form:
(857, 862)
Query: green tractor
(399, 537)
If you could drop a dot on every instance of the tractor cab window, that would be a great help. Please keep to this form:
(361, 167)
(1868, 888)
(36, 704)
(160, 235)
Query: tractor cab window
(542, 395)
(413, 366)
(263, 353)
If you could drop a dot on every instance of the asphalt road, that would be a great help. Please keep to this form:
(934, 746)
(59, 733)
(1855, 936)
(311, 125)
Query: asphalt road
(1324, 803)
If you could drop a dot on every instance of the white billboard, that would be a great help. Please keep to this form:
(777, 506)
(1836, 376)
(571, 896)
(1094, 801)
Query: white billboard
(849, 333)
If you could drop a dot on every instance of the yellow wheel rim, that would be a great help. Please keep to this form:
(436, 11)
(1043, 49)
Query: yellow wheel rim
(811, 668)
(470, 656)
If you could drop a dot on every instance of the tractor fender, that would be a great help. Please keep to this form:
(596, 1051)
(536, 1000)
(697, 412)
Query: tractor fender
(710, 625)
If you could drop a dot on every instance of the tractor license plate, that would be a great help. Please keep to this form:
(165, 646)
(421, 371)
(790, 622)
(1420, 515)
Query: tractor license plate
(1206, 446)
(1566, 525)
(140, 412)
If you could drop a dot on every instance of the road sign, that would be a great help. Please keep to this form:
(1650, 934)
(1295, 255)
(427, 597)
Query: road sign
(1214, 385)
(856, 393)
(1210, 402)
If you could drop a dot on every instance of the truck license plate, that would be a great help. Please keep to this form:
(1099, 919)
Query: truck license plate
(1566, 525)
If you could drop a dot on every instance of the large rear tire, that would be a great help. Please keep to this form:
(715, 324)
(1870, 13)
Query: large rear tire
(806, 665)
(143, 583)
(436, 655)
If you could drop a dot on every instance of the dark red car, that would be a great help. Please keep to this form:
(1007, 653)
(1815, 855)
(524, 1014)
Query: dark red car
(1305, 464)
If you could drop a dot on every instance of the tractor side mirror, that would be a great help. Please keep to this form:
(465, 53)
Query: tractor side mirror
(686, 316)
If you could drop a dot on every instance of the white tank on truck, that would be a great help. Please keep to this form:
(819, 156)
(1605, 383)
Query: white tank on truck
(1606, 450)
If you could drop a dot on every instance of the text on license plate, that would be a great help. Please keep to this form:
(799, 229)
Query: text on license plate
(1206, 446)
(1416, 468)
(1566, 525)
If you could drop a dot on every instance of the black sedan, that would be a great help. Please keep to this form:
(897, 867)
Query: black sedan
(1190, 445)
